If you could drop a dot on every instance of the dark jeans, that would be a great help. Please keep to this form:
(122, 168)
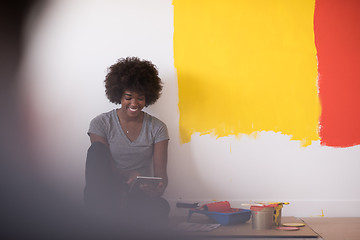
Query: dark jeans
(108, 193)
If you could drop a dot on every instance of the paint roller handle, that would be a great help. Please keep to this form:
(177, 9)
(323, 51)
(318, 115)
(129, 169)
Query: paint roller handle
(187, 205)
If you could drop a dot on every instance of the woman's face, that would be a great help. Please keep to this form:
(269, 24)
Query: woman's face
(132, 103)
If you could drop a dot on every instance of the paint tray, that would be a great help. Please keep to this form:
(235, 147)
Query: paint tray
(234, 216)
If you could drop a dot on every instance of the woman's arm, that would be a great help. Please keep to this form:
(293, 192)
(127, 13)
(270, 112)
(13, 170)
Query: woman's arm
(160, 159)
(96, 138)
(160, 164)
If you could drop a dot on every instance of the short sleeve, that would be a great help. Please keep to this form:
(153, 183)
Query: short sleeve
(161, 131)
(97, 126)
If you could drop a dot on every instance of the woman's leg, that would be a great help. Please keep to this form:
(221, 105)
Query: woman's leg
(146, 209)
(98, 192)
(106, 191)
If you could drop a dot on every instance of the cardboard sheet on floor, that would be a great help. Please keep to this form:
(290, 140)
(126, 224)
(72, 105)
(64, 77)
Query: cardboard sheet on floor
(335, 228)
(245, 230)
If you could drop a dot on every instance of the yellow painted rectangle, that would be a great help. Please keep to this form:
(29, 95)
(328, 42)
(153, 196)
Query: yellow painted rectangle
(246, 66)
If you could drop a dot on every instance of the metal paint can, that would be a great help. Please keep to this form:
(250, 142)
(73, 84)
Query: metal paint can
(262, 217)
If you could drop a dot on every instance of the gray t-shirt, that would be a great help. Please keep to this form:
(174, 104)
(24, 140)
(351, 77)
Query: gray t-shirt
(126, 154)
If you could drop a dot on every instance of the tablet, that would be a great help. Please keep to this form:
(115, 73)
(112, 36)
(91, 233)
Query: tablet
(145, 180)
(148, 180)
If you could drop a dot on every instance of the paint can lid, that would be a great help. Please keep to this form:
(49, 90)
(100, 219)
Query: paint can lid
(293, 224)
(264, 207)
(288, 228)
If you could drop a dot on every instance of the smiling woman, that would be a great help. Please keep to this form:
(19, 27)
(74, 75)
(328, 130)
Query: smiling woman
(126, 143)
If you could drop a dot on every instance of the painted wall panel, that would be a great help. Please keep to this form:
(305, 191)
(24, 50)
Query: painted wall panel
(337, 38)
(245, 67)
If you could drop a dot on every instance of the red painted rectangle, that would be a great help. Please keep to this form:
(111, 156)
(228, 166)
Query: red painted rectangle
(337, 40)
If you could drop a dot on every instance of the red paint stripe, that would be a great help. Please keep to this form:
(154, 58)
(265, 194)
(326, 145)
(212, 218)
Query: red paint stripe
(337, 40)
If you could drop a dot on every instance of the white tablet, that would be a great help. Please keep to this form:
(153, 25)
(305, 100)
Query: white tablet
(146, 181)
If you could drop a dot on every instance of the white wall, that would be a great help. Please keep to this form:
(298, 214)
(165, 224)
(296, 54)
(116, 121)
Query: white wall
(69, 46)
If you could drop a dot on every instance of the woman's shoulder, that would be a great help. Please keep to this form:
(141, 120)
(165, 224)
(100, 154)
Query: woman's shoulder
(158, 128)
(153, 120)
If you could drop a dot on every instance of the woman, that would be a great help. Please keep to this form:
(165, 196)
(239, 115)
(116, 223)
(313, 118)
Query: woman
(126, 143)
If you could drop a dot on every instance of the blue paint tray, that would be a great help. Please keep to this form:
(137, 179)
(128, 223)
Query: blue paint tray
(234, 216)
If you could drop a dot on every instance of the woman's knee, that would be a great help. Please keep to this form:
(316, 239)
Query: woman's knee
(98, 152)
(97, 167)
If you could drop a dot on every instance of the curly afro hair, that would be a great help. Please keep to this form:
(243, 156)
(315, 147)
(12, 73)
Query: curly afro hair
(133, 74)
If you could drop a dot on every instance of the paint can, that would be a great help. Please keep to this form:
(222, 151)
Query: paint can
(262, 217)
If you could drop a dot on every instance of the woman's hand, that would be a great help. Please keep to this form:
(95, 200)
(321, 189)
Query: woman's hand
(132, 177)
(154, 190)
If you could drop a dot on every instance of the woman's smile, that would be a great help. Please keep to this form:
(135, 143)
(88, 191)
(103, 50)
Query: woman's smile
(133, 109)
